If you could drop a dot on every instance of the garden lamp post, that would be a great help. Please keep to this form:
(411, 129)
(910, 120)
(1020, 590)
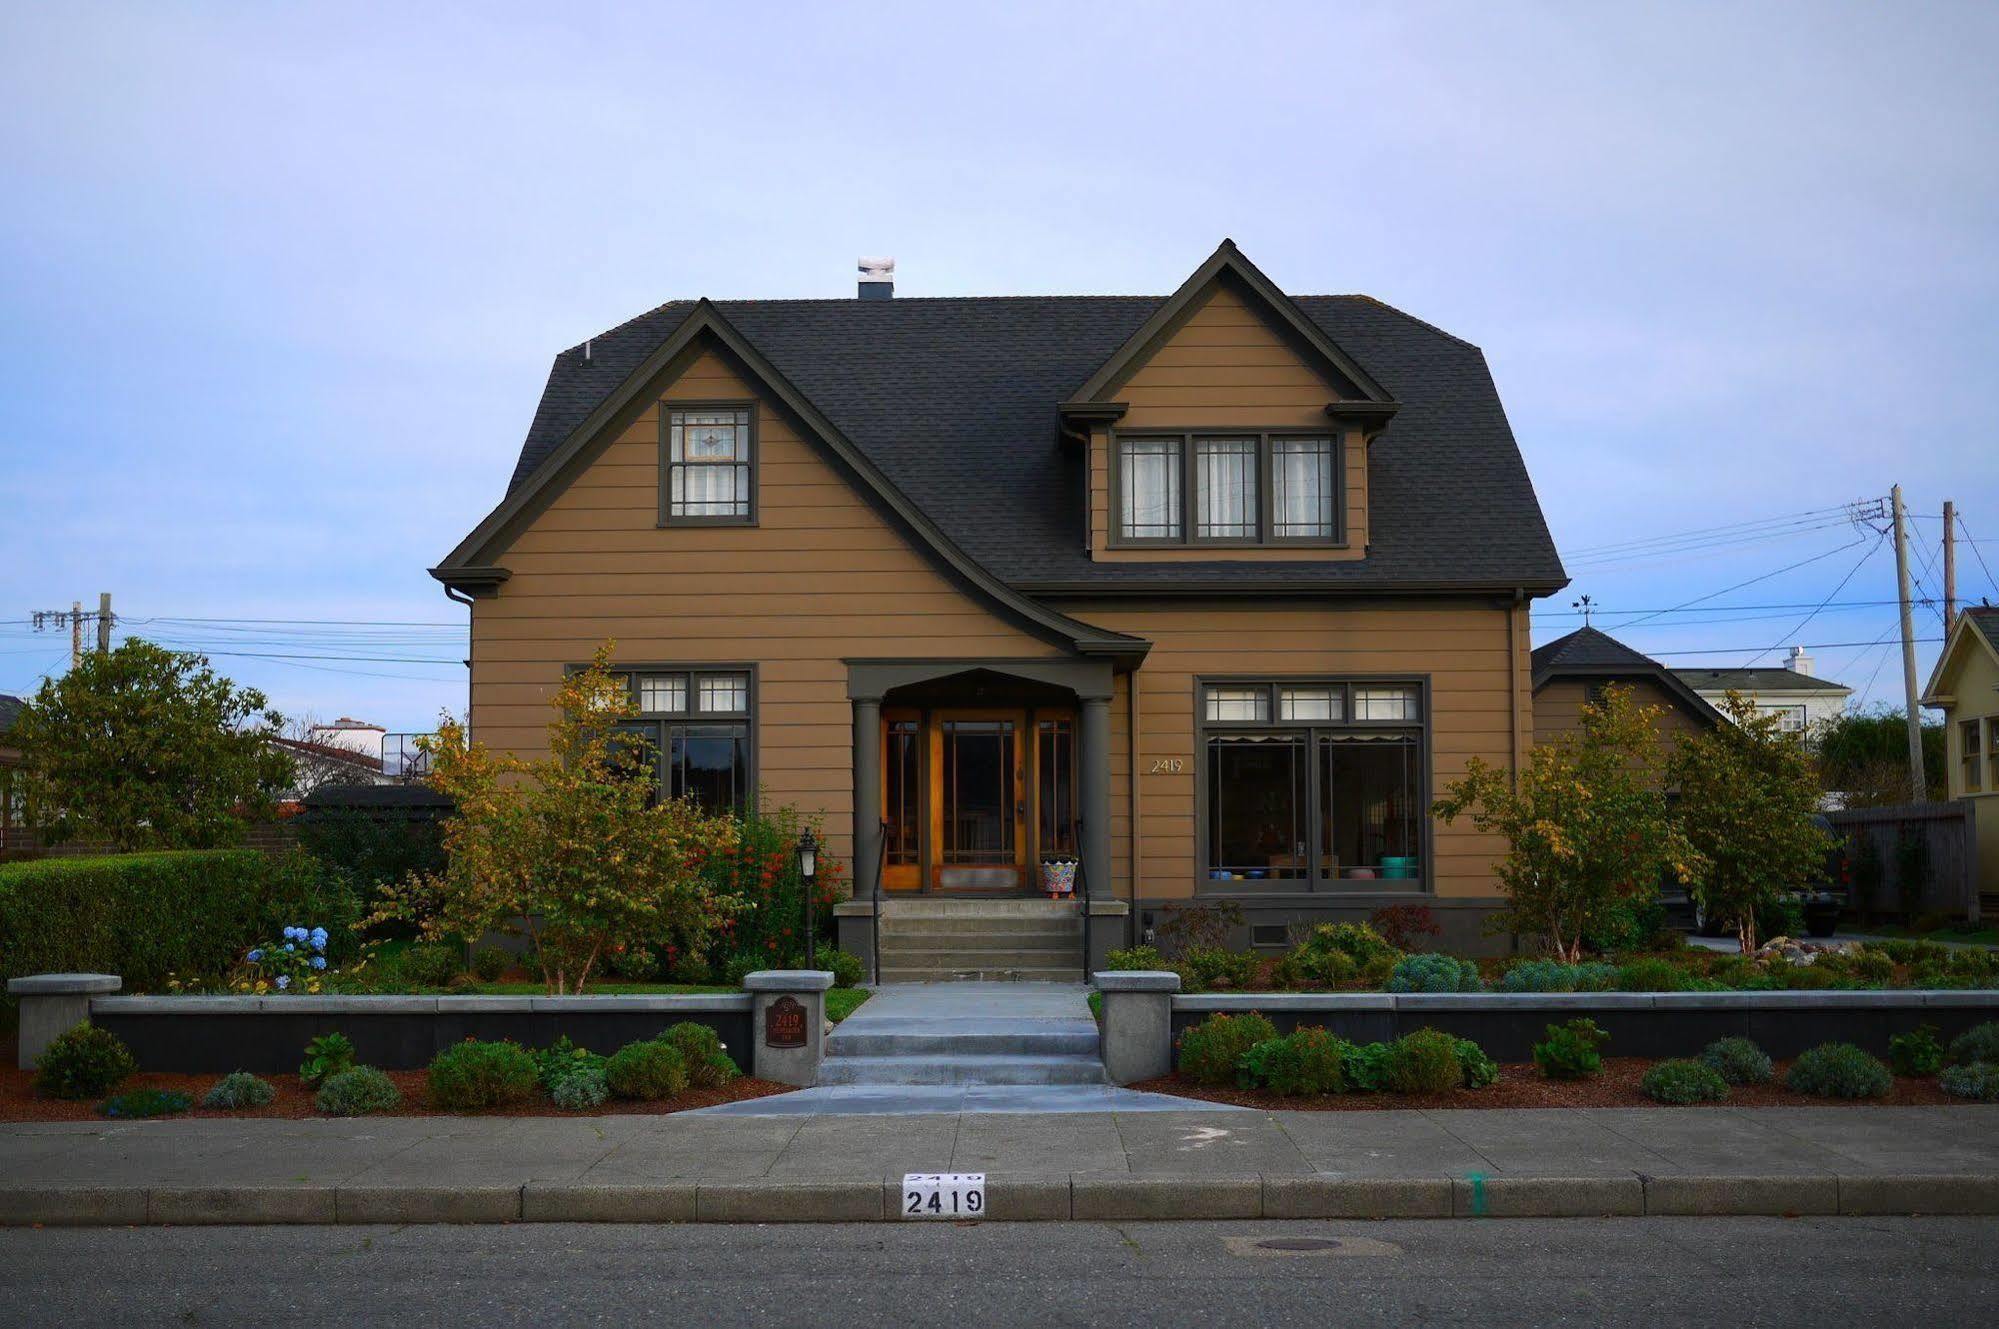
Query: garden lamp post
(808, 867)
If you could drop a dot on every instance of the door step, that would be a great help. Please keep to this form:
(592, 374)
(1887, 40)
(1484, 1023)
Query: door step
(958, 1068)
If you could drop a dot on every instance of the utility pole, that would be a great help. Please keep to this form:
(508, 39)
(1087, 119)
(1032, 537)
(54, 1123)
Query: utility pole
(1949, 565)
(1918, 786)
(75, 633)
(104, 621)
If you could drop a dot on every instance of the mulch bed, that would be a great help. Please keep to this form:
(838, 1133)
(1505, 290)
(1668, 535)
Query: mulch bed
(20, 1102)
(1521, 1085)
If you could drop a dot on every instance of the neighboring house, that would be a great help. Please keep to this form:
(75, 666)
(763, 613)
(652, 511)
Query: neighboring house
(1575, 669)
(315, 765)
(1799, 699)
(1965, 686)
(10, 758)
(1211, 591)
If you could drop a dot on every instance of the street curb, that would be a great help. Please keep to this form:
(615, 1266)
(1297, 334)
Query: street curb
(1051, 1198)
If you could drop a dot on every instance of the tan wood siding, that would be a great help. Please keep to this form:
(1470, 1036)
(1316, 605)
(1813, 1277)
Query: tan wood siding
(821, 578)
(1226, 367)
(1558, 709)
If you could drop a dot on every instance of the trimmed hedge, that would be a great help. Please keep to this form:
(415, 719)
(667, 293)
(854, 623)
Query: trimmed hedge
(145, 916)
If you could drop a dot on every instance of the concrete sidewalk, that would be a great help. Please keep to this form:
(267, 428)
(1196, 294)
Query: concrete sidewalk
(1195, 1164)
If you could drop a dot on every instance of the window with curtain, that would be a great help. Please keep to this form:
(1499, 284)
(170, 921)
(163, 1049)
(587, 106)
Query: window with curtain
(1301, 489)
(1225, 498)
(1149, 482)
(708, 465)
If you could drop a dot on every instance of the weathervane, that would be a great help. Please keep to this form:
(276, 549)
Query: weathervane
(1586, 605)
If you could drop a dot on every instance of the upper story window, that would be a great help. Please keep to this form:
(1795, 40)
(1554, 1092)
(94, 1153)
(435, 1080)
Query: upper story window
(1227, 488)
(708, 457)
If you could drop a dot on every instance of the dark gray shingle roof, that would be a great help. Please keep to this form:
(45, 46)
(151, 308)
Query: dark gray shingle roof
(1986, 619)
(1588, 649)
(955, 400)
(1757, 680)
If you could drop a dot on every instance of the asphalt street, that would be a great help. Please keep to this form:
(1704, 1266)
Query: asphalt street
(1601, 1272)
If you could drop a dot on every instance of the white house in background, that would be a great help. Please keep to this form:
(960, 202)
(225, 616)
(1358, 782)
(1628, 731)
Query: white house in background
(1793, 693)
(353, 735)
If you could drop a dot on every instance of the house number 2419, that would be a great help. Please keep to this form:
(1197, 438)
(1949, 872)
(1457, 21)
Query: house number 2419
(1168, 765)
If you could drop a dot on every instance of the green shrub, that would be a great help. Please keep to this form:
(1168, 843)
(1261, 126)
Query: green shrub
(1554, 976)
(489, 963)
(1434, 973)
(1425, 1062)
(1480, 1071)
(1872, 967)
(1918, 1052)
(238, 1090)
(358, 1091)
(1312, 967)
(1839, 1070)
(741, 965)
(430, 964)
(147, 1103)
(1978, 1081)
(473, 1076)
(1684, 1080)
(1212, 1051)
(562, 1059)
(1367, 1065)
(1357, 941)
(1308, 1061)
(581, 1090)
(1978, 1043)
(1570, 1050)
(326, 1056)
(1738, 1061)
(1220, 968)
(83, 1063)
(152, 917)
(648, 1071)
(848, 969)
(1652, 974)
(702, 1052)
(1135, 957)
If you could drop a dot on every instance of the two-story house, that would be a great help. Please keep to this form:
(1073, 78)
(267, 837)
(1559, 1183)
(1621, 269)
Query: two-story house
(1210, 591)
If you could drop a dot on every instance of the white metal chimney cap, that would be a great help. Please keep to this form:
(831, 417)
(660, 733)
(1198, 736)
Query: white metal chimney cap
(1799, 663)
(877, 269)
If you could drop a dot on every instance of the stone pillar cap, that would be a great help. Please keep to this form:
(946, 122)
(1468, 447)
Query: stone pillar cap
(1137, 980)
(44, 985)
(787, 980)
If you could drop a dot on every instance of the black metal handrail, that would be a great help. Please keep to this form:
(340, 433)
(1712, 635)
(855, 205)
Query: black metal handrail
(1082, 895)
(875, 903)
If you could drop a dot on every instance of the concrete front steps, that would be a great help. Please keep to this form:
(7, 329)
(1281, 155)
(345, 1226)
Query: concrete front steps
(941, 941)
(966, 1034)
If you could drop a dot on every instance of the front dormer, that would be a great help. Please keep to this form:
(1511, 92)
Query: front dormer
(1228, 428)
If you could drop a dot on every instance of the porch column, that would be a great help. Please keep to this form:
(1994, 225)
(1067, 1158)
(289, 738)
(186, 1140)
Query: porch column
(867, 796)
(1095, 790)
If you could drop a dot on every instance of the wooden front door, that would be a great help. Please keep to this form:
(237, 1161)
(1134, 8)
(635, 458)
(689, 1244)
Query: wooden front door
(972, 797)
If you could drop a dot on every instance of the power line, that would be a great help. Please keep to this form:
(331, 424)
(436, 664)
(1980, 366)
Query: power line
(1978, 553)
(1702, 599)
(1810, 646)
(1804, 622)
(1727, 531)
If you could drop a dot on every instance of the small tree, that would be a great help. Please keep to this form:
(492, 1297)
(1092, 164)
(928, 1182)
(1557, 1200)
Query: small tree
(1747, 794)
(149, 749)
(576, 849)
(1586, 827)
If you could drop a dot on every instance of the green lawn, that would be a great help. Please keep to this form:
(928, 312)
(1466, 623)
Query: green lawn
(1988, 936)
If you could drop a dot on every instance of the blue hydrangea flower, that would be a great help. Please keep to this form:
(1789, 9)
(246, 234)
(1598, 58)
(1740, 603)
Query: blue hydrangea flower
(284, 981)
(255, 955)
(290, 933)
(289, 948)
(319, 962)
(319, 939)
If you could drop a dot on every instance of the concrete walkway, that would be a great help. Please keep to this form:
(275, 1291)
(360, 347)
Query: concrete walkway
(1192, 1164)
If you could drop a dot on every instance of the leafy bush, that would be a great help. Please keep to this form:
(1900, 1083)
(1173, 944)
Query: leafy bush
(147, 1103)
(1220, 968)
(1480, 1070)
(473, 1076)
(1978, 1043)
(1918, 1052)
(1357, 941)
(581, 1090)
(1684, 1080)
(1652, 974)
(1309, 966)
(1839, 1070)
(848, 969)
(1212, 1051)
(1872, 966)
(372, 846)
(648, 1070)
(562, 1059)
(1425, 1062)
(1405, 926)
(325, 1057)
(150, 917)
(1738, 1061)
(1978, 1081)
(1334, 954)
(238, 1090)
(83, 1063)
(1570, 1050)
(489, 963)
(1135, 957)
(1367, 1065)
(1554, 976)
(1434, 973)
(358, 1091)
(702, 1051)
(431, 964)
(295, 963)
(1308, 1061)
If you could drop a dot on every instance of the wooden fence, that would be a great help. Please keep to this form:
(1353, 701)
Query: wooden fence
(1914, 859)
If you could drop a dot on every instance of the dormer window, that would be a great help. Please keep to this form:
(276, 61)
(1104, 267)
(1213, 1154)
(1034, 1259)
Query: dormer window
(1231, 489)
(707, 460)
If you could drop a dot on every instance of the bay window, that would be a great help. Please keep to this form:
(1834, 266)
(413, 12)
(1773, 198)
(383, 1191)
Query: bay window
(1227, 488)
(1316, 785)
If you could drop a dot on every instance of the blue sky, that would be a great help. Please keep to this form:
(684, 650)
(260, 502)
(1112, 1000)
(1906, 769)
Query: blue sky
(280, 284)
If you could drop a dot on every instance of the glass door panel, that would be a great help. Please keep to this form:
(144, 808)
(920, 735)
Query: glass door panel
(980, 809)
(902, 801)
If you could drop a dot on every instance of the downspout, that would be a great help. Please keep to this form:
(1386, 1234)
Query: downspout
(454, 595)
(1131, 773)
(1513, 679)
